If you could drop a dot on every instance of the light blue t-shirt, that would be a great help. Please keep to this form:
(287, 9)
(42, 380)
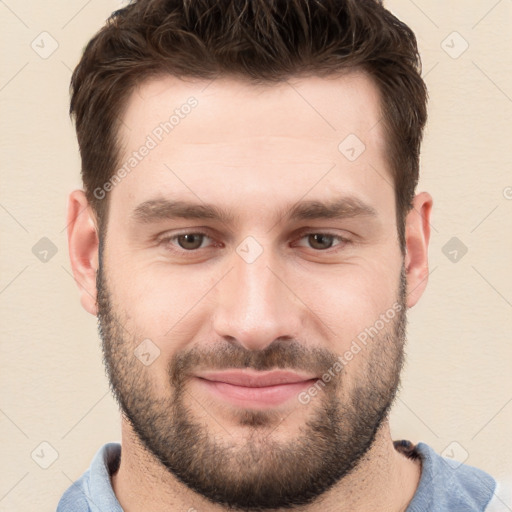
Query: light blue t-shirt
(445, 485)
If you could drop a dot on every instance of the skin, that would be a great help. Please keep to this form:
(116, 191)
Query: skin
(277, 148)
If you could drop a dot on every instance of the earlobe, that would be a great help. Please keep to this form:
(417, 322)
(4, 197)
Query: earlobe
(83, 242)
(417, 236)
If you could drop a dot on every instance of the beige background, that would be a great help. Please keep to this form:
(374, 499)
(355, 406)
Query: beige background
(457, 387)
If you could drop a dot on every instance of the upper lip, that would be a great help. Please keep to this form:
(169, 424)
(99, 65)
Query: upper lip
(255, 379)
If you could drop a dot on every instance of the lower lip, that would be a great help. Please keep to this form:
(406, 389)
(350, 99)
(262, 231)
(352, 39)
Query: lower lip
(266, 396)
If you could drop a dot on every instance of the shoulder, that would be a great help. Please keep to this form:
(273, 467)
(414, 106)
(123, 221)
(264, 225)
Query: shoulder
(93, 490)
(447, 484)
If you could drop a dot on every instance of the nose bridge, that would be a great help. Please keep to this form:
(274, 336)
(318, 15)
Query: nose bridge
(255, 307)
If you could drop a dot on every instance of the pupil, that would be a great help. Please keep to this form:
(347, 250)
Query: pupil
(190, 241)
(320, 241)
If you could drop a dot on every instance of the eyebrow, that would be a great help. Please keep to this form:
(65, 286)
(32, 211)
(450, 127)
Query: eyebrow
(163, 209)
(342, 208)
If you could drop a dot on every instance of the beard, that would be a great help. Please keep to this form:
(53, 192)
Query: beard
(262, 472)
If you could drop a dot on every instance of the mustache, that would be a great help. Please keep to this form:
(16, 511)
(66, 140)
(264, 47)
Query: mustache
(283, 354)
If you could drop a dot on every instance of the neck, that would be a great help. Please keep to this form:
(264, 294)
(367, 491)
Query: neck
(384, 480)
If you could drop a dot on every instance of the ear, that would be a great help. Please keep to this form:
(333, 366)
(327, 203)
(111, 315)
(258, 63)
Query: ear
(417, 235)
(83, 243)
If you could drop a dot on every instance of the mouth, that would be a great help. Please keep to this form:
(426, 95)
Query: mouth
(254, 389)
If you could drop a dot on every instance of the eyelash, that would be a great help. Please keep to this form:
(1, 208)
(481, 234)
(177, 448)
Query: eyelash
(175, 248)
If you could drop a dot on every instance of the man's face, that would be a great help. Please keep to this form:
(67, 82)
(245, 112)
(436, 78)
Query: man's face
(291, 262)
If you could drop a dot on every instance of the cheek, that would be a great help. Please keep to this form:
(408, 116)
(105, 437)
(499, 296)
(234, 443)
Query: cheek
(163, 304)
(351, 298)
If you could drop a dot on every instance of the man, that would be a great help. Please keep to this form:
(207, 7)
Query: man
(250, 240)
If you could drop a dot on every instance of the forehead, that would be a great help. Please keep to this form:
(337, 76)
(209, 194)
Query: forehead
(350, 101)
(227, 139)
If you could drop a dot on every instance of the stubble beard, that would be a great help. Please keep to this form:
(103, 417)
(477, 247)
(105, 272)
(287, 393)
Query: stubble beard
(261, 473)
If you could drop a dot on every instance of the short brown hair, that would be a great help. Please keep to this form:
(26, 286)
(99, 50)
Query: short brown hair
(261, 41)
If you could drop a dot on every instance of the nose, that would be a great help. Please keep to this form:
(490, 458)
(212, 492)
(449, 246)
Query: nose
(256, 305)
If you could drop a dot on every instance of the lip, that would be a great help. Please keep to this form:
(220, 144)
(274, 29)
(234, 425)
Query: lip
(255, 389)
(256, 379)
